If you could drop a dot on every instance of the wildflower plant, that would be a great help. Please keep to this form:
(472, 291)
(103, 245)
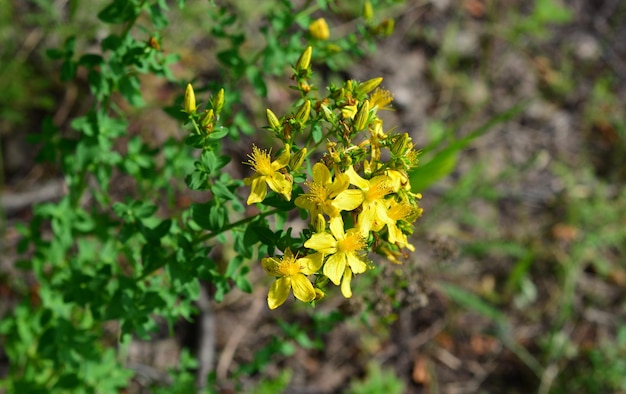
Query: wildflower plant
(340, 169)
(102, 268)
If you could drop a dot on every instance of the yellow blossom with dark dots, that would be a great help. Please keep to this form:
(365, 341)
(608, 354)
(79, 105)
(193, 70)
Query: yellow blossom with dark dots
(267, 174)
(291, 273)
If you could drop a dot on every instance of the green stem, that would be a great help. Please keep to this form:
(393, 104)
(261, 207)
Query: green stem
(231, 226)
(209, 236)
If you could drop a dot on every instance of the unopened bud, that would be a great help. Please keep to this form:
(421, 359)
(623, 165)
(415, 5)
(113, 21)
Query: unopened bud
(348, 111)
(368, 86)
(360, 121)
(304, 87)
(319, 294)
(320, 224)
(398, 148)
(207, 118)
(297, 159)
(218, 101)
(272, 120)
(304, 61)
(190, 100)
(327, 113)
(319, 29)
(338, 94)
(386, 27)
(303, 113)
(368, 11)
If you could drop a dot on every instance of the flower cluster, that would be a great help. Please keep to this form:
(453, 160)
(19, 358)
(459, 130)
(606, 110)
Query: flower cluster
(358, 198)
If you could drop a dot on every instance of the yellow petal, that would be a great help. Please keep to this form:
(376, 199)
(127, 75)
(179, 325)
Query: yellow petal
(345, 283)
(321, 174)
(279, 183)
(302, 288)
(348, 200)
(357, 265)
(282, 160)
(334, 267)
(322, 242)
(341, 183)
(258, 190)
(270, 265)
(356, 179)
(336, 228)
(279, 291)
(311, 263)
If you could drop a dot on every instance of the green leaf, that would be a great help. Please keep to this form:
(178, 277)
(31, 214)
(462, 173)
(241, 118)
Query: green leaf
(118, 12)
(233, 267)
(257, 79)
(200, 214)
(197, 180)
(218, 133)
(90, 60)
(68, 70)
(158, 18)
(143, 210)
(218, 216)
(131, 90)
(154, 235)
(222, 192)
(208, 161)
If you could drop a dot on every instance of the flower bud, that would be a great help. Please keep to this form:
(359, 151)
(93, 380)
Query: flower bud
(272, 120)
(218, 101)
(304, 87)
(320, 224)
(338, 94)
(398, 148)
(348, 111)
(304, 61)
(368, 11)
(386, 27)
(297, 159)
(190, 100)
(368, 86)
(319, 29)
(206, 120)
(303, 113)
(327, 113)
(360, 121)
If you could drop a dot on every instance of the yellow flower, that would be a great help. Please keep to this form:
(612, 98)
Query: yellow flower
(321, 193)
(400, 211)
(267, 174)
(344, 251)
(399, 179)
(371, 195)
(319, 29)
(380, 99)
(291, 273)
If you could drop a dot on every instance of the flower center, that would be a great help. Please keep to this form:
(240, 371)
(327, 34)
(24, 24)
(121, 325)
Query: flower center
(378, 190)
(318, 194)
(261, 161)
(289, 267)
(351, 243)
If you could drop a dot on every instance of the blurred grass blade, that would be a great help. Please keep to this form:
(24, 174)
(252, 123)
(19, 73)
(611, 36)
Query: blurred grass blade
(444, 161)
(473, 302)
